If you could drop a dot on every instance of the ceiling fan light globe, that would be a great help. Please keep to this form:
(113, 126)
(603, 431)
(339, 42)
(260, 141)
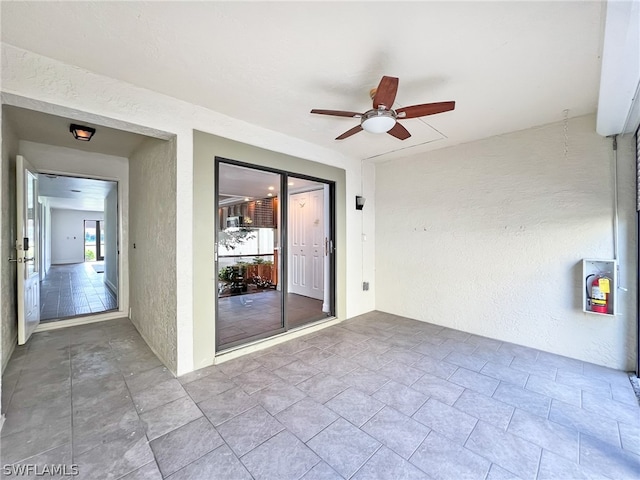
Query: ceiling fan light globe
(378, 123)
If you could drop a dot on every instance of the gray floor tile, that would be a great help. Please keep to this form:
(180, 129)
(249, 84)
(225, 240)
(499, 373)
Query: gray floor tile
(184, 445)
(59, 456)
(296, 372)
(198, 374)
(278, 396)
(498, 473)
(438, 388)
(592, 424)
(494, 356)
(218, 464)
(443, 459)
(206, 387)
(387, 465)
(355, 406)
(435, 367)
(401, 373)
(313, 355)
(611, 408)
(550, 388)
(560, 362)
(249, 429)
(160, 394)
(470, 362)
(364, 379)
(148, 472)
(584, 382)
(554, 467)
(400, 397)
(402, 356)
(273, 361)
(344, 447)
(549, 435)
(254, 380)
(322, 387)
(25, 418)
(532, 368)
(235, 367)
(525, 399)
(630, 437)
(283, 456)
(519, 351)
(144, 380)
(400, 433)
(446, 420)
(306, 418)
(346, 349)
(170, 416)
(27, 443)
(370, 359)
(624, 394)
(337, 366)
(505, 374)
(508, 451)
(116, 458)
(485, 408)
(608, 460)
(104, 427)
(227, 405)
(322, 471)
(475, 381)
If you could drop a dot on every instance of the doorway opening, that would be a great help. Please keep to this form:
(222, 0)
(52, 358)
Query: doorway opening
(78, 246)
(274, 252)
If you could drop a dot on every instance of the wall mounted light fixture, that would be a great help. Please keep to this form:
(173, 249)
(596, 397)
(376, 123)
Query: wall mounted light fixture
(360, 202)
(82, 133)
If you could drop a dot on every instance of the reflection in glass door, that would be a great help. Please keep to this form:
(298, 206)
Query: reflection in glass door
(274, 253)
(248, 253)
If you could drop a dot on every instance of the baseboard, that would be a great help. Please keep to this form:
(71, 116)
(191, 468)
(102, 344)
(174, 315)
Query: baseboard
(5, 360)
(1, 421)
(112, 288)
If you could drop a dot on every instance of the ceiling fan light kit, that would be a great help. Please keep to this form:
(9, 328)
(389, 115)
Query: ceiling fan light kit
(378, 121)
(382, 118)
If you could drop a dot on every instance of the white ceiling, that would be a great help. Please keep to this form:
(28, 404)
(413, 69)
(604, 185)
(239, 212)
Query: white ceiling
(508, 65)
(74, 193)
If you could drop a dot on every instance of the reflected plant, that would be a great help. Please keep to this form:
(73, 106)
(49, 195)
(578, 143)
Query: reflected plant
(231, 238)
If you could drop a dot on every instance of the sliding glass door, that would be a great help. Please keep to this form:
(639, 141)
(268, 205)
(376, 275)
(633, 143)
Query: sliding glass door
(274, 258)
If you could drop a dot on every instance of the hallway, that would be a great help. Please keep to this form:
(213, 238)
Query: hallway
(375, 397)
(75, 289)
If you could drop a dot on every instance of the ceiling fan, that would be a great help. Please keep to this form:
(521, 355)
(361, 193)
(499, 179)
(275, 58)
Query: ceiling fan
(382, 118)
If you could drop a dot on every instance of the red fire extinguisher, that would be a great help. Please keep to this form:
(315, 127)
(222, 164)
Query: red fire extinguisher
(598, 298)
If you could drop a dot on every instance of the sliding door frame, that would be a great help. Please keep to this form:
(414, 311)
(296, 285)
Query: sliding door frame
(283, 275)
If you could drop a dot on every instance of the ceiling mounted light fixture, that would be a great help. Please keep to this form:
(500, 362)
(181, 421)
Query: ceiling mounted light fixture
(81, 132)
(378, 121)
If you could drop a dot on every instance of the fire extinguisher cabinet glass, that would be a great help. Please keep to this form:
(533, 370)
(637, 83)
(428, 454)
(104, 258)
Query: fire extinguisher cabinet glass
(599, 284)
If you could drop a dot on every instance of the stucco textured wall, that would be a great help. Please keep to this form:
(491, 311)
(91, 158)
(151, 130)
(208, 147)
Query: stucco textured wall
(8, 314)
(152, 261)
(487, 237)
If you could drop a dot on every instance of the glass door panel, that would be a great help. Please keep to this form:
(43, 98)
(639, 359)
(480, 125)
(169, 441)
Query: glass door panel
(90, 241)
(249, 288)
(309, 243)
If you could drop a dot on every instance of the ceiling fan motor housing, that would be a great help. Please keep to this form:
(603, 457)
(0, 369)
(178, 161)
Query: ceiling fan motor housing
(378, 120)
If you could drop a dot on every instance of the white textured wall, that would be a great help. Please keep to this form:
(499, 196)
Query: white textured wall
(111, 240)
(487, 237)
(67, 234)
(8, 292)
(152, 252)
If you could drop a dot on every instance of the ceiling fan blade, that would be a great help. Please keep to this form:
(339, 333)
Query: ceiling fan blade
(399, 131)
(425, 109)
(348, 133)
(337, 113)
(386, 92)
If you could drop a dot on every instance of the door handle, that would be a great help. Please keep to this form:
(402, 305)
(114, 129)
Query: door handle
(25, 260)
(14, 260)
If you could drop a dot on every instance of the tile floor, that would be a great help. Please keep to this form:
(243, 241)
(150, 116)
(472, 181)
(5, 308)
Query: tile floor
(74, 289)
(243, 316)
(377, 397)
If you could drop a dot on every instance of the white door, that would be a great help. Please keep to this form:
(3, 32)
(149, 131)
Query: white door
(27, 249)
(306, 244)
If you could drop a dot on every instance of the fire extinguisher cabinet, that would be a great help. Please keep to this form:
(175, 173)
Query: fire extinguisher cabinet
(594, 290)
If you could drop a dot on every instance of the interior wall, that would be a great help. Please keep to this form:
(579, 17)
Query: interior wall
(30, 80)
(206, 148)
(69, 161)
(67, 234)
(111, 240)
(488, 237)
(153, 254)
(8, 275)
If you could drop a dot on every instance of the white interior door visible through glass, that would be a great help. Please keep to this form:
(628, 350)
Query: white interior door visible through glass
(27, 249)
